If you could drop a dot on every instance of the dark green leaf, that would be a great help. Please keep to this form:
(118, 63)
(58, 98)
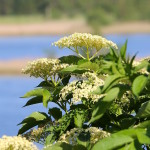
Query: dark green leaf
(139, 84)
(34, 100)
(45, 84)
(84, 139)
(71, 59)
(55, 112)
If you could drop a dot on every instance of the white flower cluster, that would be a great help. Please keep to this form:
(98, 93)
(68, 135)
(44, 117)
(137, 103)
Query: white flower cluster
(83, 89)
(85, 40)
(43, 67)
(16, 143)
(95, 135)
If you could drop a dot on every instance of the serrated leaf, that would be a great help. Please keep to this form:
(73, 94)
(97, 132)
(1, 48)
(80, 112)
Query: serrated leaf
(55, 112)
(34, 100)
(139, 84)
(104, 104)
(144, 111)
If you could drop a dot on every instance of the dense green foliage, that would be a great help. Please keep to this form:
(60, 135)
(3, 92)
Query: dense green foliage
(118, 117)
(95, 11)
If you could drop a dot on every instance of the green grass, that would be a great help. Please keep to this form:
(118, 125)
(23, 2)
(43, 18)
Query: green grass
(21, 19)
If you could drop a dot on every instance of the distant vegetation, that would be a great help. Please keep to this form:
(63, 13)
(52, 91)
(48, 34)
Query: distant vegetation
(95, 11)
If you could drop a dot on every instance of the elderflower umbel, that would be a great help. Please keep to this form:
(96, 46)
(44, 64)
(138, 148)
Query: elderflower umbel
(95, 134)
(85, 39)
(16, 143)
(82, 89)
(80, 40)
(43, 67)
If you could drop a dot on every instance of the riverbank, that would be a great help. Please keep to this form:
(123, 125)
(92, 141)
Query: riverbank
(61, 27)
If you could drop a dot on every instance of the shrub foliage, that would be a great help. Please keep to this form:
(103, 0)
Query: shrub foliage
(102, 101)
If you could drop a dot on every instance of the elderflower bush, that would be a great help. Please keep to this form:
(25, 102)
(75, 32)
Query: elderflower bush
(99, 99)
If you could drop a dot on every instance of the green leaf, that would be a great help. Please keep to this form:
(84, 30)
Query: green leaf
(46, 97)
(84, 139)
(130, 146)
(145, 124)
(123, 50)
(89, 66)
(39, 92)
(79, 118)
(45, 84)
(35, 92)
(32, 120)
(97, 91)
(73, 69)
(112, 142)
(143, 64)
(55, 112)
(104, 104)
(25, 127)
(50, 139)
(143, 138)
(71, 59)
(110, 80)
(34, 100)
(144, 111)
(138, 84)
(37, 116)
(59, 146)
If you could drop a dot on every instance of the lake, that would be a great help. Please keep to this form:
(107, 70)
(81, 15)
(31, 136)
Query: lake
(13, 87)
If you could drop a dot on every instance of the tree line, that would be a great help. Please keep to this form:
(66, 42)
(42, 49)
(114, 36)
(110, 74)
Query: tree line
(95, 11)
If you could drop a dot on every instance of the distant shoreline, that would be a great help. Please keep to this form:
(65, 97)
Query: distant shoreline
(61, 27)
(13, 67)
